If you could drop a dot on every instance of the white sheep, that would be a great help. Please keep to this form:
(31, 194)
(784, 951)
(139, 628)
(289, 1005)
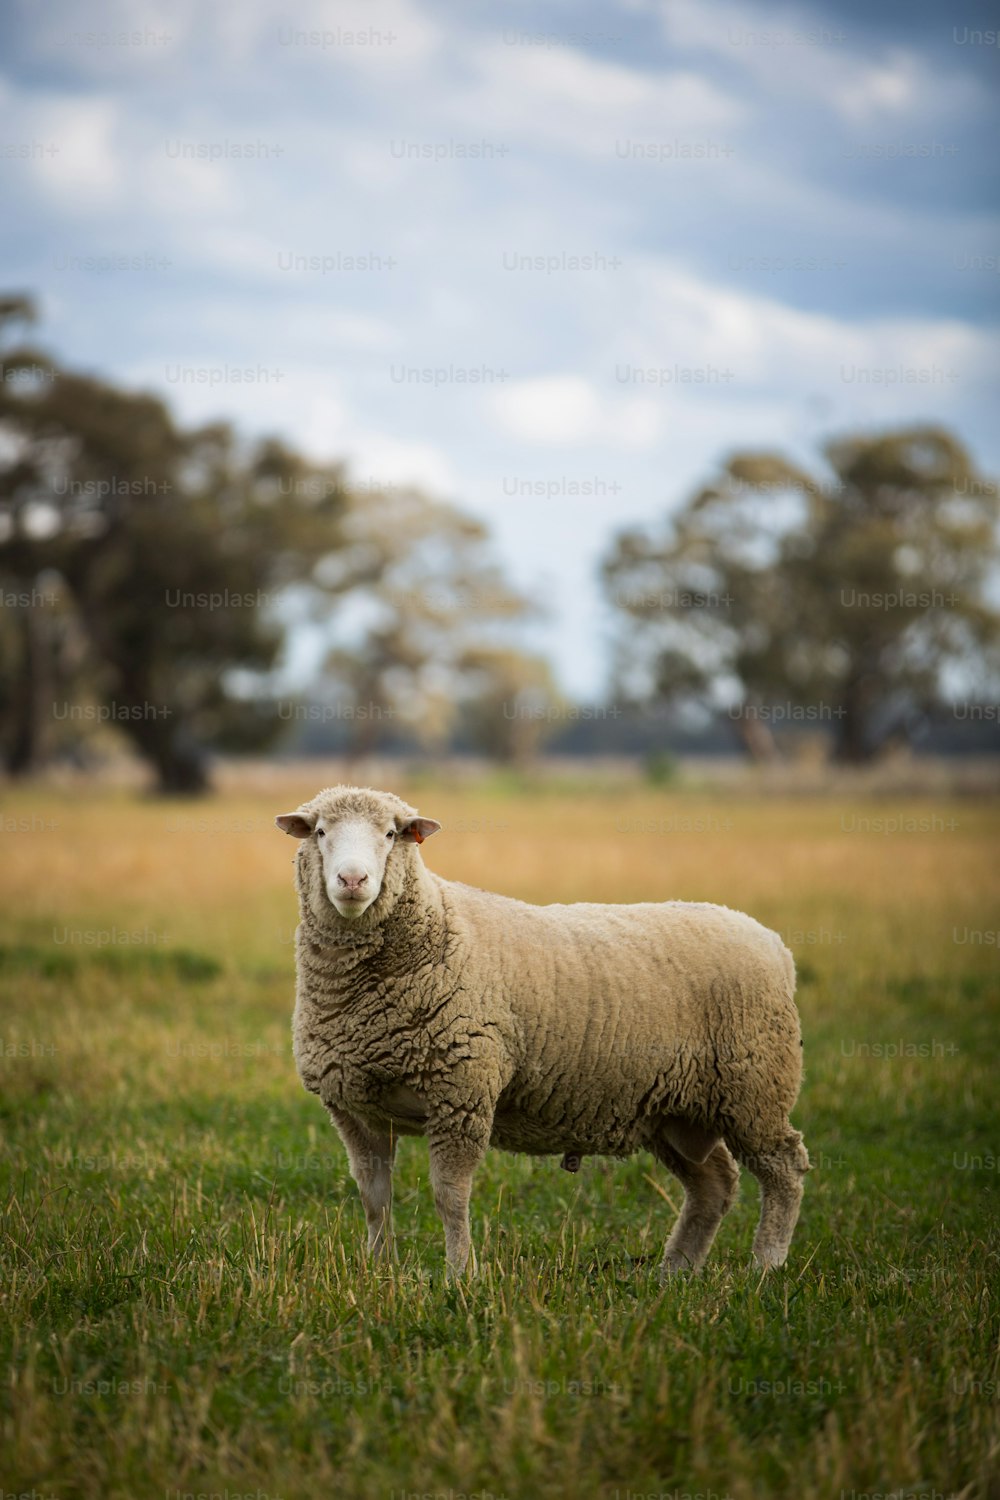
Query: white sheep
(426, 1007)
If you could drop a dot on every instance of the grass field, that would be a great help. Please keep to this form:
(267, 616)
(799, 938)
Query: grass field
(186, 1305)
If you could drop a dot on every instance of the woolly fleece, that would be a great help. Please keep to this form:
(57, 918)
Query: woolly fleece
(476, 1020)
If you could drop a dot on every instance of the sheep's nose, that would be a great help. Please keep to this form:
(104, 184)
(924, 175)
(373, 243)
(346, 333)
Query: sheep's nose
(351, 881)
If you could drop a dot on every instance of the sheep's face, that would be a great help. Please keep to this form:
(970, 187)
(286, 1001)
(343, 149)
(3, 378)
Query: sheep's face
(353, 837)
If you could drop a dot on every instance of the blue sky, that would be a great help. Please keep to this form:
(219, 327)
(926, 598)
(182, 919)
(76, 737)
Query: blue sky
(784, 218)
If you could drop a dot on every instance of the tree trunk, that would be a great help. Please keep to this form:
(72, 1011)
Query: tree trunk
(181, 773)
(168, 747)
(158, 733)
(853, 747)
(23, 752)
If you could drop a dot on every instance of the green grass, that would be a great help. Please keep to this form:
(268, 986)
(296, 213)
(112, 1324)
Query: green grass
(186, 1304)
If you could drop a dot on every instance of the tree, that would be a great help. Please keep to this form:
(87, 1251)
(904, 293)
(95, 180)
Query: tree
(151, 577)
(164, 545)
(858, 595)
(512, 704)
(430, 611)
(26, 650)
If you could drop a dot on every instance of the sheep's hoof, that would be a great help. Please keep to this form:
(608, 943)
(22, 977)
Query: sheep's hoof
(770, 1259)
(571, 1161)
(673, 1264)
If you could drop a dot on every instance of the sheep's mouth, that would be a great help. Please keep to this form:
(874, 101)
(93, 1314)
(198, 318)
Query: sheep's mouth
(351, 906)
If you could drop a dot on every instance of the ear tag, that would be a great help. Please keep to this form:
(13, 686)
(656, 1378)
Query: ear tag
(418, 837)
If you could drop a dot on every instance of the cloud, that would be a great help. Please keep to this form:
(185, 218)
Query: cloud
(695, 322)
(564, 409)
(78, 164)
(706, 359)
(376, 457)
(790, 52)
(566, 99)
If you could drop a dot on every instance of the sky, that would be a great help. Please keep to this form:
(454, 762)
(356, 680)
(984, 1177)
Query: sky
(550, 262)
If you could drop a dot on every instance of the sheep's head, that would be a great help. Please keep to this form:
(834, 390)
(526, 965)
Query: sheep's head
(350, 835)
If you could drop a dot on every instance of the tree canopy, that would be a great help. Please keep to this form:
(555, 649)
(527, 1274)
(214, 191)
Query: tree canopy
(859, 592)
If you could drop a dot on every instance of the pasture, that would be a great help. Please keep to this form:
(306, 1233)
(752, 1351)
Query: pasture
(186, 1305)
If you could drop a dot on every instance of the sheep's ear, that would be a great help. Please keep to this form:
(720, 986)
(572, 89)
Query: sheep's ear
(418, 829)
(295, 824)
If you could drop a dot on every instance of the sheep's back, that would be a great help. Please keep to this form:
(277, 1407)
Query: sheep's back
(623, 1013)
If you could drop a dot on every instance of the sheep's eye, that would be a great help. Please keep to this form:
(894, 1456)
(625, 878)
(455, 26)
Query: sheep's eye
(321, 833)
(391, 834)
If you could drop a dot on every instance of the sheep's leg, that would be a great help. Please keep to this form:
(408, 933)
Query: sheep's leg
(453, 1165)
(710, 1189)
(779, 1169)
(371, 1157)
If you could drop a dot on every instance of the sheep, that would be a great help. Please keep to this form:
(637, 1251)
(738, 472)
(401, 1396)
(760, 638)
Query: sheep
(427, 1007)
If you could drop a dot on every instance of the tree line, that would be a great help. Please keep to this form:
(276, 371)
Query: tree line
(162, 580)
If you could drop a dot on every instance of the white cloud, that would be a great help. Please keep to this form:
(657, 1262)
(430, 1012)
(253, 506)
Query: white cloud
(376, 457)
(893, 87)
(84, 169)
(583, 104)
(771, 345)
(553, 410)
(705, 360)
